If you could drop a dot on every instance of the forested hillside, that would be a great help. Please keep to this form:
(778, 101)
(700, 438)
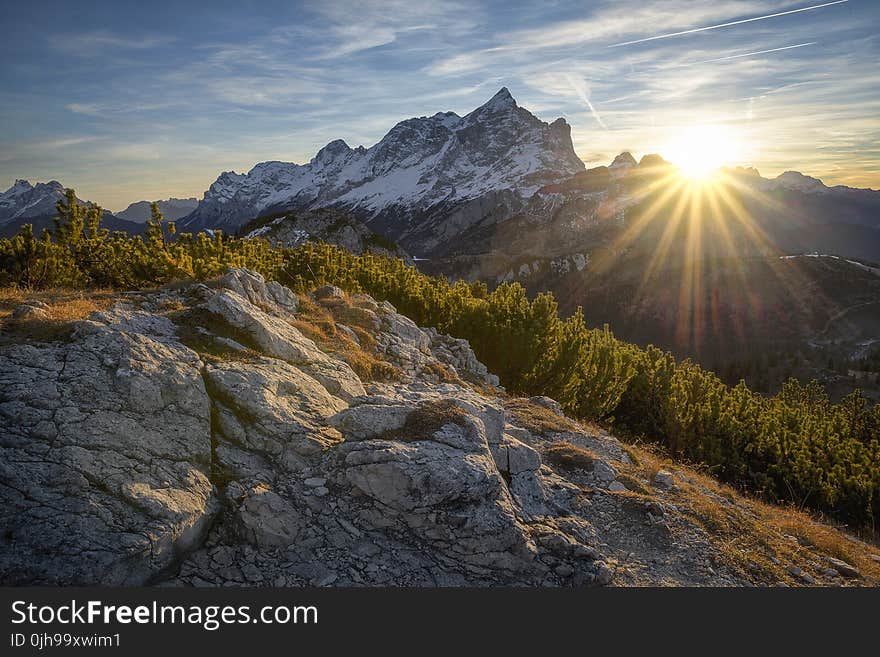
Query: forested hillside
(795, 446)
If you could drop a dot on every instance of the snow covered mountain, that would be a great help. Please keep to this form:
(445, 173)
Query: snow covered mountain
(24, 200)
(172, 209)
(423, 169)
(24, 203)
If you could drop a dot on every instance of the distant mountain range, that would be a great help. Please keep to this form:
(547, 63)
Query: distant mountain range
(172, 209)
(24, 203)
(498, 178)
(497, 181)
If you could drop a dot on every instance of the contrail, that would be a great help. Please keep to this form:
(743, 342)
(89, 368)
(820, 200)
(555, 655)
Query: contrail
(581, 90)
(715, 27)
(757, 52)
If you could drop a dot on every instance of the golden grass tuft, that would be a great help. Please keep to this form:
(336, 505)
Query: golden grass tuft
(319, 323)
(570, 457)
(537, 418)
(427, 419)
(65, 307)
(443, 374)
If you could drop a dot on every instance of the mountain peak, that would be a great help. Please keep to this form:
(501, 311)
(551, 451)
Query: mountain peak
(25, 200)
(652, 160)
(331, 151)
(172, 209)
(625, 159)
(501, 100)
(421, 163)
(797, 181)
(19, 187)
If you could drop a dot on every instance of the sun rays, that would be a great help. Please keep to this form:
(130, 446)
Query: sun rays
(692, 231)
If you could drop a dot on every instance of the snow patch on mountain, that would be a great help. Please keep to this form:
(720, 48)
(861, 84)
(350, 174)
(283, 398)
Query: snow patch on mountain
(24, 200)
(420, 163)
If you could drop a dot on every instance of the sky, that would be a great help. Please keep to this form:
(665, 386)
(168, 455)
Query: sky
(133, 100)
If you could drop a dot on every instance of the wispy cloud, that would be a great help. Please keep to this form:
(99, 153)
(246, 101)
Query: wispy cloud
(580, 88)
(152, 108)
(562, 37)
(757, 52)
(93, 43)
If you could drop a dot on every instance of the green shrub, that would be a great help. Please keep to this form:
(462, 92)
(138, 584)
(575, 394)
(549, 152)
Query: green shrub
(795, 447)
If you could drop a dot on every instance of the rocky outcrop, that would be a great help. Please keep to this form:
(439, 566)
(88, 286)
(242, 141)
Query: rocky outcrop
(105, 454)
(195, 436)
(343, 229)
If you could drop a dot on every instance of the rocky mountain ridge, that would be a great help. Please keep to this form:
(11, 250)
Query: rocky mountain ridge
(24, 200)
(432, 182)
(25, 203)
(423, 167)
(195, 436)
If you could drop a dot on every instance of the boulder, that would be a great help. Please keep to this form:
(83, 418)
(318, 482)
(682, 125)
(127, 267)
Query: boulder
(270, 406)
(329, 292)
(548, 403)
(253, 287)
(278, 338)
(845, 569)
(105, 455)
(31, 310)
(368, 420)
(265, 518)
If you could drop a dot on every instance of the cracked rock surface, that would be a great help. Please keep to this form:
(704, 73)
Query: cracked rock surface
(214, 444)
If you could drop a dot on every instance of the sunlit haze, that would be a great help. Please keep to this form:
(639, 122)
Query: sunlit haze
(701, 150)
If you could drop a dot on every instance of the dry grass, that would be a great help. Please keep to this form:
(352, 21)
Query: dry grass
(537, 418)
(171, 305)
(354, 316)
(739, 538)
(633, 484)
(427, 419)
(319, 323)
(826, 538)
(570, 457)
(189, 322)
(65, 307)
(649, 459)
(443, 374)
(753, 536)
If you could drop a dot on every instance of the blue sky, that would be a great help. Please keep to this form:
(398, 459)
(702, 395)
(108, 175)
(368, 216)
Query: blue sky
(134, 100)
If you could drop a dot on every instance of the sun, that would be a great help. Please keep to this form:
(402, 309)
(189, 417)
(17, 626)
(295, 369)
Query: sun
(701, 150)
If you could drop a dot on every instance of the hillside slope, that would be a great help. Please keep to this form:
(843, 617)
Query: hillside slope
(323, 225)
(236, 434)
